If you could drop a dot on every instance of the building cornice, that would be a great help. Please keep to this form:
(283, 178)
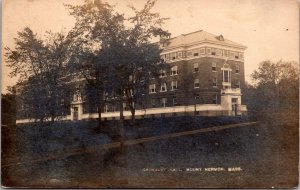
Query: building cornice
(205, 42)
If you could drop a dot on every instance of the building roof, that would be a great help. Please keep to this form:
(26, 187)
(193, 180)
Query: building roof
(200, 36)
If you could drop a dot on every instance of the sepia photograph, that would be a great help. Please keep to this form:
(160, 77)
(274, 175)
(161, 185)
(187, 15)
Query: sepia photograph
(150, 94)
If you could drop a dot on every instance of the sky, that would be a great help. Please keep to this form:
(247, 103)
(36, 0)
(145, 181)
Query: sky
(269, 28)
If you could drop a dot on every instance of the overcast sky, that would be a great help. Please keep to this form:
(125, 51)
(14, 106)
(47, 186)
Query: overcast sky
(269, 28)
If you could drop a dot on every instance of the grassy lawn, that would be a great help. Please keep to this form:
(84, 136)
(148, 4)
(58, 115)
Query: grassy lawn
(267, 155)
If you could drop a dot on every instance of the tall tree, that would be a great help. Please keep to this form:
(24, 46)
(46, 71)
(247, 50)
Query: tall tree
(97, 36)
(143, 57)
(275, 89)
(40, 67)
(124, 52)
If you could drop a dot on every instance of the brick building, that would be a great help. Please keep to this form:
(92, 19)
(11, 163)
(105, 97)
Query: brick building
(206, 78)
(204, 67)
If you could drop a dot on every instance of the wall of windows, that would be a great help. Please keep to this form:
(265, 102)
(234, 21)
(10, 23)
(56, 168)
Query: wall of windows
(218, 52)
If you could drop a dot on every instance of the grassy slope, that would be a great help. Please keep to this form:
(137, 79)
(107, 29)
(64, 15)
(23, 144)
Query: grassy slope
(267, 154)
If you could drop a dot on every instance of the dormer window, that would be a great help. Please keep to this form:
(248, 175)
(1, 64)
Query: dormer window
(221, 38)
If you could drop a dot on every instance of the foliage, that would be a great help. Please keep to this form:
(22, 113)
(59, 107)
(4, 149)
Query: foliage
(276, 88)
(40, 66)
(121, 59)
(8, 107)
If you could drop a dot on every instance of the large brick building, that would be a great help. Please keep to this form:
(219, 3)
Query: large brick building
(206, 78)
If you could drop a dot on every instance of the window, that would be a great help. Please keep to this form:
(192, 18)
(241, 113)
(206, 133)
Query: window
(153, 103)
(219, 52)
(241, 55)
(174, 101)
(236, 55)
(163, 87)
(202, 51)
(215, 82)
(163, 102)
(152, 88)
(174, 70)
(208, 50)
(113, 108)
(196, 83)
(76, 96)
(196, 54)
(234, 100)
(179, 54)
(226, 77)
(238, 84)
(174, 56)
(197, 97)
(214, 67)
(167, 56)
(215, 99)
(62, 101)
(163, 73)
(196, 67)
(226, 53)
(105, 95)
(174, 85)
(237, 69)
(106, 108)
(213, 51)
(189, 54)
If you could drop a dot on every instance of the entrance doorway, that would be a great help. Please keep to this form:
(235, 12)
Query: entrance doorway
(234, 104)
(75, 113)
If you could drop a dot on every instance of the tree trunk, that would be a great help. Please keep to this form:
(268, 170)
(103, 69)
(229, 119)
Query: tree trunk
(121, 125)
(42, 120)
(132, 116)
(99, 117)
(52, 118)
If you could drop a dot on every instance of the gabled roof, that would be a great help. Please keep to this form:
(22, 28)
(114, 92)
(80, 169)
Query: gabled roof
(200, 36)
